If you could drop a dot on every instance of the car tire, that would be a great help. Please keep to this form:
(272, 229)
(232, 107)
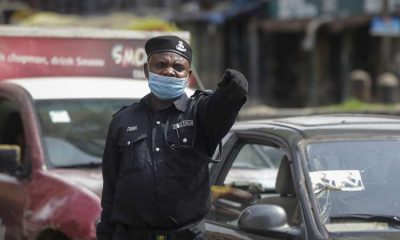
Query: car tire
(52, 235)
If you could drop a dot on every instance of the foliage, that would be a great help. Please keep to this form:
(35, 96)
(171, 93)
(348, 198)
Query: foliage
(354, 105)
(111, 21)
(152, 24)
(44, 19)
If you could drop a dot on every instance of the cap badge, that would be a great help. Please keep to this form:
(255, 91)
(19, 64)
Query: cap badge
(180, 46)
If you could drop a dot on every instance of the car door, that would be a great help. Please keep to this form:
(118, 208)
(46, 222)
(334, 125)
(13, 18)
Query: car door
(12, 202)
(13, 192)
(246, 177)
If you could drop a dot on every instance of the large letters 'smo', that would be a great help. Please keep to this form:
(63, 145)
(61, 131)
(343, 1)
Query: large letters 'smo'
(128, 56)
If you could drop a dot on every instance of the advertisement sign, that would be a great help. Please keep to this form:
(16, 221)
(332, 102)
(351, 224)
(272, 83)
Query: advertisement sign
(34, 52)
(37, 56)
(303, 9)
(385, 26)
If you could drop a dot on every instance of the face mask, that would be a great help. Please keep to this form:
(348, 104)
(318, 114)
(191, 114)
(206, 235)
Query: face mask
(166, 88)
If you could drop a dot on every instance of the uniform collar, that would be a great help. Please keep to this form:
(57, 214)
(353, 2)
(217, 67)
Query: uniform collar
(180, 103)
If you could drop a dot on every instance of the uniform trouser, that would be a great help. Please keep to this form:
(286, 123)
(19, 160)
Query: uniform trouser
(196, 232)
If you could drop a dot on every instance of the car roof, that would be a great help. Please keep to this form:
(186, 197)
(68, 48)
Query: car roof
(325, 124)
(83, 87)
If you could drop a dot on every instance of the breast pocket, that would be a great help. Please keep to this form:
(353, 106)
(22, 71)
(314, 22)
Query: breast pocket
(134, 153)
(180, 136)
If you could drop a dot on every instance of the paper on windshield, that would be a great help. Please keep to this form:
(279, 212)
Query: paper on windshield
(59, 116)
(341, 180)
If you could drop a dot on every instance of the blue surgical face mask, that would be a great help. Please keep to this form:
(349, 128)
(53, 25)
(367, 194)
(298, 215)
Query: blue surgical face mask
(166, 88)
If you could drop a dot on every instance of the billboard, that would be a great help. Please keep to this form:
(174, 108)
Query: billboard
(44, 56)
(35, 52)
(385, 26)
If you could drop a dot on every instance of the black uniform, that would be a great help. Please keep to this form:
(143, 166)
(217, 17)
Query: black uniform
(155, 174)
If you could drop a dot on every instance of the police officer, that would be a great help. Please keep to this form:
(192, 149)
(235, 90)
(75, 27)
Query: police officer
(155, 162)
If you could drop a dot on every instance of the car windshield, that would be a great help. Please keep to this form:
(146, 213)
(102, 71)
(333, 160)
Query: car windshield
(356, 183)
(74, 131)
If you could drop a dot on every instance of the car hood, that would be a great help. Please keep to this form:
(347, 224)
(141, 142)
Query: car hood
(89, 178)
(371, 236)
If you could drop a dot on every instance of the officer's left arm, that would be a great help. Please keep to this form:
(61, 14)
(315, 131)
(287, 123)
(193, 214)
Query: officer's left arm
(218, 112)
(110, 169)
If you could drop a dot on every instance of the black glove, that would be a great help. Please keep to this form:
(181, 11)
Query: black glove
(103, 231)
(233, 85)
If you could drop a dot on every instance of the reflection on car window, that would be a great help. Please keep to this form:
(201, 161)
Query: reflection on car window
(355, 178)
(64, 153)
(74, 131)
(255, 156)
(252, 174)
(255, 164)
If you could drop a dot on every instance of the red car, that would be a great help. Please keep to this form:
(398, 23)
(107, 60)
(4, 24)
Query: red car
(52, 134)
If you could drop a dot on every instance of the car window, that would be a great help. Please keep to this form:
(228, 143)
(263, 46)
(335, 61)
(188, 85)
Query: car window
(257, 156)
(11, 128)
(74, 130)
(251, 177)
(255, 164)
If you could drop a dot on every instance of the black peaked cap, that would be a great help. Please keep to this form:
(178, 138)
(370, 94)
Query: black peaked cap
(168, 44)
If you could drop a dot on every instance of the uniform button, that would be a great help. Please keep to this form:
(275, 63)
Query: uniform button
(184, 140)
(157, 149)
(158, 122)
(128, 143)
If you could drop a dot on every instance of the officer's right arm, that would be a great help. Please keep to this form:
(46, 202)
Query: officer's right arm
(218, 111)
(110, 166)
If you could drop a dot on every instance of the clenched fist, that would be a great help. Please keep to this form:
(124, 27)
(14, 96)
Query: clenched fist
(233, 85)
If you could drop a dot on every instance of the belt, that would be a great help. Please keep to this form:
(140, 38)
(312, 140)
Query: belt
(165, 236)
(150, 235)
(182, 234)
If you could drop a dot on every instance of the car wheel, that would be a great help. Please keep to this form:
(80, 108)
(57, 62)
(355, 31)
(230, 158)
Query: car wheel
(52, 235)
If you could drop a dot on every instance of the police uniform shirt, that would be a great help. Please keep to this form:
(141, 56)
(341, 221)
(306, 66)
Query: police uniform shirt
(149, 184)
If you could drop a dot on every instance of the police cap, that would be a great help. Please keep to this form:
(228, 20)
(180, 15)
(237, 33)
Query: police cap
(168, 44)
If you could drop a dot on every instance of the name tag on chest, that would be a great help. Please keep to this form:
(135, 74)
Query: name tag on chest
(184, 123)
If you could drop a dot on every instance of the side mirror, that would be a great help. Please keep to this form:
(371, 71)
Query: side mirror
(10, 156)
(267, 220)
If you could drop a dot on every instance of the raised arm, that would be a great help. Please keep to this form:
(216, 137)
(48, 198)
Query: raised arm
(218, 111)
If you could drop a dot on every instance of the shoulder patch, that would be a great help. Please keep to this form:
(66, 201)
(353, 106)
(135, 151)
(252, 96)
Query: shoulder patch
(123, 108)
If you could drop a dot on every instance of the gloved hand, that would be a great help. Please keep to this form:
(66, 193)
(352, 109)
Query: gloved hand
(233, 85)
(104, 231)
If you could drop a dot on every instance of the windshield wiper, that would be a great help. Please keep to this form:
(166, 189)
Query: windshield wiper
(370, 217)
(82, 165)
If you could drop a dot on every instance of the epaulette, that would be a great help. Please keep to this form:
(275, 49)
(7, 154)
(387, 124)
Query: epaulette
(123, 108)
